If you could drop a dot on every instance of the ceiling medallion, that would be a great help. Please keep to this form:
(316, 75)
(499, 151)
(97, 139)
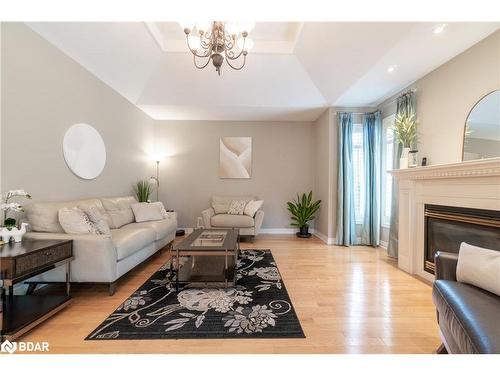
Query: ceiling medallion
(218, 41)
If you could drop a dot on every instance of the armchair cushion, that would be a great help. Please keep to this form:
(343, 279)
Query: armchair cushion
(220, 204)
(230, 221)
(252, 207)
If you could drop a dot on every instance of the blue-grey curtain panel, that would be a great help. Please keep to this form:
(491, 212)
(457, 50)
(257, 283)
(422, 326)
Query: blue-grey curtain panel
(346, 227)
(405, 104)
(372, 139)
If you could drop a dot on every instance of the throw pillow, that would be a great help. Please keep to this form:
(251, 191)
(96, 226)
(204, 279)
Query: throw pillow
(236, 207)
(479, 267)
(97, 216)
(252, 207)
(75, 221)
(146, 212)
(162, 209)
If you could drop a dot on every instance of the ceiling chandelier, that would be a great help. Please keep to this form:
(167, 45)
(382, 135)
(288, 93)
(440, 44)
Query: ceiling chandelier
(218, 41)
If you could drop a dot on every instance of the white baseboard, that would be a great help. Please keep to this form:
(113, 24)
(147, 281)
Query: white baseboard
(278, 230)
(383, 244)
(323, 237)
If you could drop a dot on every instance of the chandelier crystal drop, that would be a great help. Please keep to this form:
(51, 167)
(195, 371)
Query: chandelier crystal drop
(218, 42)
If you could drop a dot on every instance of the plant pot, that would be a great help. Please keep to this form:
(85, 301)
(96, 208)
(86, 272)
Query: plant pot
(403, 160)
(304, 232)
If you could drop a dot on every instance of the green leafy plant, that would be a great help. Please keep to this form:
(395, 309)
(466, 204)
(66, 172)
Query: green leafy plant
(9, 222)
(143, 190)
(303, 210)
(405, 129)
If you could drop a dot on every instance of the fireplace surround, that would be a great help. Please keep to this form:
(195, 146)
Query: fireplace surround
(466, 185)
(446, 227)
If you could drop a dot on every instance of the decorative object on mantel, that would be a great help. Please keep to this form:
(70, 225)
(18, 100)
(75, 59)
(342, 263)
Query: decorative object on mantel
(143, 190)
(482, 129)
(303, 210)
(405, 129)
(218, 42)
(424, 161)
(9, 230)
(413, 159)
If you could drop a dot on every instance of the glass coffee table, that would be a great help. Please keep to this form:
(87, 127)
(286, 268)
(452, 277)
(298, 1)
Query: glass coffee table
(212, 256)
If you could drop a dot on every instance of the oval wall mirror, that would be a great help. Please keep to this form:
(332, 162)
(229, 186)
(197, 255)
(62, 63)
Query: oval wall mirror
(482, 129)
(84, 151)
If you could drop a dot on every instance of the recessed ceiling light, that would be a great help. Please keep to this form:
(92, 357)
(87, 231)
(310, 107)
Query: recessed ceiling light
(391, 68)
(439, 29)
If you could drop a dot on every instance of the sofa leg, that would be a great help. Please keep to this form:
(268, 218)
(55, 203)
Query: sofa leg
(112, 288)
(441, 349)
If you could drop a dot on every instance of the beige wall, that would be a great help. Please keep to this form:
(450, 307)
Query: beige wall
(282, 165)
(45, 92)
(446, 95)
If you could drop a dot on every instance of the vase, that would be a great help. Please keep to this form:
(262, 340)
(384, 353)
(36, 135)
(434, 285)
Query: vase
(403, 160)
(13, 233)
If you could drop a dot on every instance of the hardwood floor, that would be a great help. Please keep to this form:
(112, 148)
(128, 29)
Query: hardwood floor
(349, 300)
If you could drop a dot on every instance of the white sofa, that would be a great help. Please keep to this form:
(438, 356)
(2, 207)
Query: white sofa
(217, 217)
(101, 258)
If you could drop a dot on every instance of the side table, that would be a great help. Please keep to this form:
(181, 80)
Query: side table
(21, 261)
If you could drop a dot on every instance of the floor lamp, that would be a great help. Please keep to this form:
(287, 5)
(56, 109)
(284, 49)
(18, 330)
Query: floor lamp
(157, 179)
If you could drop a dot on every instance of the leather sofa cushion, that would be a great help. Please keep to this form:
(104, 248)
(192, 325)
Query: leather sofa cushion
(237, 221)
(470, 315)
(162, 228)
(44, 216)
(129, 240)
(120, 210)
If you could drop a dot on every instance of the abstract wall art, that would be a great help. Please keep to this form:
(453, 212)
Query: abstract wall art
(235, 159)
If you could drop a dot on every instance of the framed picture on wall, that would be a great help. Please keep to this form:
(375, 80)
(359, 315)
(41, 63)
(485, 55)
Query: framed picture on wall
(235, 157)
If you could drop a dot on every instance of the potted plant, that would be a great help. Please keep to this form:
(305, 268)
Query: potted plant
(405, 131)
(303, 210)
(143, 190)
(9, 229)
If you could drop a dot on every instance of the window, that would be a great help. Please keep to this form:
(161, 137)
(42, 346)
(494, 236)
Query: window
(358, 167)
(387, 159)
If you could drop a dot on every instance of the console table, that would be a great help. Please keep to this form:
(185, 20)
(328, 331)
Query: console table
(21, 261)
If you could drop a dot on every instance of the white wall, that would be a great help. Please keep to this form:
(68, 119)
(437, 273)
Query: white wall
(282, 165)
(446, 95)
(44, 93)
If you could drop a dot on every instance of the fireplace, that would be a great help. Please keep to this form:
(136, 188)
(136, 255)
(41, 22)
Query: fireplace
(447, 227)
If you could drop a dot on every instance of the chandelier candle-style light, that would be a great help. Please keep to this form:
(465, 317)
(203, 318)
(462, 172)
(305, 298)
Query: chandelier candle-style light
(218, 41)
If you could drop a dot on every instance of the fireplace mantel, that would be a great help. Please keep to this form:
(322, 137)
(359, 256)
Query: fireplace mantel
(472, 168)
(472, 184)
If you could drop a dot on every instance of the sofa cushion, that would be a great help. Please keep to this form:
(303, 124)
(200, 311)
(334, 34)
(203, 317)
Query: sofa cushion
(220, 204)
(44, 216)
(75, 221)
(119, 209)
(469, 315)
(162, 228)
(229, 221)
(479, 267)
(128, 240)
(146, 212)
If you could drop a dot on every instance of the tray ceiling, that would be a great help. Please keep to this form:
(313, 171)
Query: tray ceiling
(294, 72)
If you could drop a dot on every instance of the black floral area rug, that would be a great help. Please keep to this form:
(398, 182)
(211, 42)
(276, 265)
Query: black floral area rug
(258, 307)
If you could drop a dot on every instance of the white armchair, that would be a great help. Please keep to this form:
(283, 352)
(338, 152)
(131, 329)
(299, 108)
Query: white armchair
(248, 226)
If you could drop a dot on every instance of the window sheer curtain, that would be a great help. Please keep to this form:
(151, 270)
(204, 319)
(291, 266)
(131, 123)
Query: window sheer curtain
(369, 230)
(372, 142)
(405, 104)
(346, 226)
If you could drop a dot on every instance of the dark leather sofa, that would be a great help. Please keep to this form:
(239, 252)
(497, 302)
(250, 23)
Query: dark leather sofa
(468, 317)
